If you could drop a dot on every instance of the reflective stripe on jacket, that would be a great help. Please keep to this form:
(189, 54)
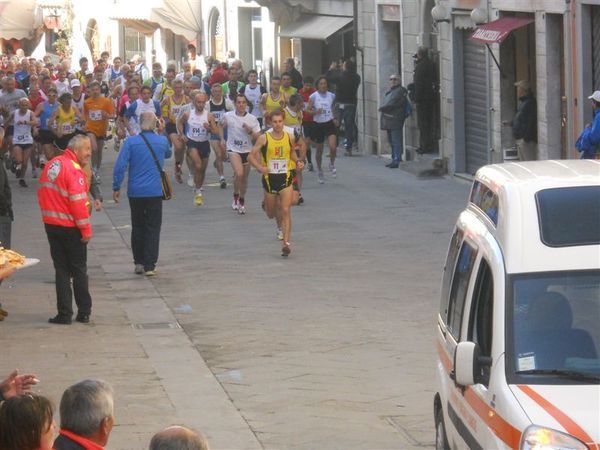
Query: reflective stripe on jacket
(63, 194)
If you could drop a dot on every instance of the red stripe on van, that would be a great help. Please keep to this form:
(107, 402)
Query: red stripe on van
(565, 421)
(510, 435)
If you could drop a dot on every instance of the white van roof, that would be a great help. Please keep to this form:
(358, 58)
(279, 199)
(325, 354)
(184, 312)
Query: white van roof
(518, 228)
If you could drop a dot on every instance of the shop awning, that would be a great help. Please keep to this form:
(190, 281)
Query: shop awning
(182, 17)
(17, 19)
(314, 27)
(497, 31)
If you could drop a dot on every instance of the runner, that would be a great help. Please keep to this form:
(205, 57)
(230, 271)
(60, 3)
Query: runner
(23, 120)
(272, 156)
(322, 105)
(173, 105)
(308, 122)
(97, 110)
(242, 129)
(99, 78)
(272, 100)
(233, 86)
(156, 78)
(219, 105)
(286, 85)
(78, 97)
(293, 118)
(198, 122)
(254, 92)
(142, 104)
(64, 121)
(45, 135)
(9, 102)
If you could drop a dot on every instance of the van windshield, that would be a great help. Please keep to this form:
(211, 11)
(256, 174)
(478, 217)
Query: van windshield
(553, 333)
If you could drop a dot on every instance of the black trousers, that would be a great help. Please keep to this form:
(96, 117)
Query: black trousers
(69, 256)
(146, 220)
(425, 123)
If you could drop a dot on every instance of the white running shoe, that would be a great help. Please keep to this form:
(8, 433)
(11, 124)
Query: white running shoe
(320, 176)
(279, 234)
(190, 180)
(333, 170)
(242, 209)
(235, 205)
(34, 172)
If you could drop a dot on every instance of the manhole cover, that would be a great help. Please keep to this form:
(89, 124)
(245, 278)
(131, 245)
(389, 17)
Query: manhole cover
(156, 326)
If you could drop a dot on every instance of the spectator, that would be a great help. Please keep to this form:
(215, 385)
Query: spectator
(393, 114)
(424, 80)
(26, 423)
(86, 416)
(139, 66)
(191, 57)
(589, 141)
(346, 96)
(524, 124)
(16, 384)
(289, 66)
(144, 190)
(178, 438)
(68, 227)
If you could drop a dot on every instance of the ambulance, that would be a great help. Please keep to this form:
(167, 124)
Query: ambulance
(518, 329)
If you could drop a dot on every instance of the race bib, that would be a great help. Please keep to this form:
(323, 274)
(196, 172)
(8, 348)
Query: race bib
(238, 143)
(175, 110)
(95, 115)
(277, 166)
(197, 132)
(68, 128)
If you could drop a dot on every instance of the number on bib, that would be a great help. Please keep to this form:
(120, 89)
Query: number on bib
(277, 166)
(95, 114)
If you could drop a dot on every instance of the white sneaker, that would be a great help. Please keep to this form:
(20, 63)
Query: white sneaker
(242, 209)
(190, 180)
(320, 177)
(235, 205)
(279, 234)
(34, 173)
(333, 170)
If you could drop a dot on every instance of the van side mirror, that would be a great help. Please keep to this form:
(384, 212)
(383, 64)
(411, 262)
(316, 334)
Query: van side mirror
(468, 364)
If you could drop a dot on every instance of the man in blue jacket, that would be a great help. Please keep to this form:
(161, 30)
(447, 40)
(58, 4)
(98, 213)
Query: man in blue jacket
(144, 189)
(588, 143)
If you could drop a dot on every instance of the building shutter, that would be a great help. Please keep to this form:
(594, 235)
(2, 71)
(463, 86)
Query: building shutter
(596, 47)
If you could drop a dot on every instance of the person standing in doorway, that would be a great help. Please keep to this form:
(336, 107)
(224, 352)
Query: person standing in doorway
(424, 97)
(394, 110)
(346, 96)
(524, 124)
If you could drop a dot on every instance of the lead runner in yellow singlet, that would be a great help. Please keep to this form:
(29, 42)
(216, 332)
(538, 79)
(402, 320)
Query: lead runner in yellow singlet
(272, 156)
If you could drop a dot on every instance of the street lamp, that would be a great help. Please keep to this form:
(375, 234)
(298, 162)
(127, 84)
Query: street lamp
(439, 13)
(479, 15)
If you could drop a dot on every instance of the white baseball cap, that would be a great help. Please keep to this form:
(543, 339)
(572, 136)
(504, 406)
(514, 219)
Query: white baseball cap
(75, 82)
(595, 96)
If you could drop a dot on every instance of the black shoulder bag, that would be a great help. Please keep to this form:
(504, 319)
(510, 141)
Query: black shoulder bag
(165, 181)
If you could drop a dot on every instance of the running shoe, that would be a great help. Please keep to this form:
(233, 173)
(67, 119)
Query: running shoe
(178, 173)
(286, 250)
(190, 180)
(139, 269)
(34, 172)
(198, 200)
(150, 273)
(320, 176)
(235, 205)
(42, 161)
(223, 183)
(311, 168)
(333, 170)
(279, 234)
(22, 183)
(300, 200)
(241, 210)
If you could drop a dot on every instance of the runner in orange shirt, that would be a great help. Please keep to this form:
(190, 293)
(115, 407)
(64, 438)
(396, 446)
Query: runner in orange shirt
(97, 110)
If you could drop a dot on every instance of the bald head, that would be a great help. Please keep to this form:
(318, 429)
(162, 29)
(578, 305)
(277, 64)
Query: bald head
(178, 438)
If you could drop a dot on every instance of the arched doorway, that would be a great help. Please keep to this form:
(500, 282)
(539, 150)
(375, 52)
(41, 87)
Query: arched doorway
(93, 38)
(217, 35)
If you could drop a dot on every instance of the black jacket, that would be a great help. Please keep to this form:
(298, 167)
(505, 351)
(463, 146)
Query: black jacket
(393, 108)
(64, 443)
(524, 124)
(347, 87)
(296, 78)
(5, 193)
(424, 80)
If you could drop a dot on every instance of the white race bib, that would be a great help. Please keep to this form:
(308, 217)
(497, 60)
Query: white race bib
(68, 128)
(197, 132)
(95, 114)
(277, 166)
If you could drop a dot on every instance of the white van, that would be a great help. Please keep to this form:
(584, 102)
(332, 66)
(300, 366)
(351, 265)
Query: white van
(518, 332)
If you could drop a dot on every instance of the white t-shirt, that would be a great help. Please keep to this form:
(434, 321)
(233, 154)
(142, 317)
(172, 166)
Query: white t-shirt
(324, 102)
(22, 134)
(62, 87)
(196, 129)
(238, 139)
(254, 95)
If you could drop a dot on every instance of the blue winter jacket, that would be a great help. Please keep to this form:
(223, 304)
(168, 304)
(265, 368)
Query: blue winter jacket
(589, 141)
(144, 177)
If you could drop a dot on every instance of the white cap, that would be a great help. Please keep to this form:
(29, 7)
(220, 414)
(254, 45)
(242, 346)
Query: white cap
(595, 96)
(89, 72)
(75, 82)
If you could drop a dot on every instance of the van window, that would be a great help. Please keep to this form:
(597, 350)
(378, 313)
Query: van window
(569, 216)
(455, 242)
(482, 314)
(460, 282)
(552, 329)
(483, 197)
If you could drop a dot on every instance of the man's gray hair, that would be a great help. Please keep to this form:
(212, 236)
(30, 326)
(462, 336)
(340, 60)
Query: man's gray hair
(178, 438)
(85, 405)
(77, 141)
(148, 121)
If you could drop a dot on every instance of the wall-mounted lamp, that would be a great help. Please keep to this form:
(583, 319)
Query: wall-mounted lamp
(479, 15)
(439, 13)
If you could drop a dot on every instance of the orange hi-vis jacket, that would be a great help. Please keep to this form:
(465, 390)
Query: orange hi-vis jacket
(63, 194)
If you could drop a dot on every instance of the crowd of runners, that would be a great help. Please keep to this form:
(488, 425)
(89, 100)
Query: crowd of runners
(224, 111)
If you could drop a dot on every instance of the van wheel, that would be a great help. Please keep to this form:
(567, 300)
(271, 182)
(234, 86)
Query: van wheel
(441, 441)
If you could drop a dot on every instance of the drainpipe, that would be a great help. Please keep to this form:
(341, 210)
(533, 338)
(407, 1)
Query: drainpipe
(362, 63)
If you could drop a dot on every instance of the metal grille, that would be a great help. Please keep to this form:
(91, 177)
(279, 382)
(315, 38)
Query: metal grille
(596, 47)
(476, 126)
